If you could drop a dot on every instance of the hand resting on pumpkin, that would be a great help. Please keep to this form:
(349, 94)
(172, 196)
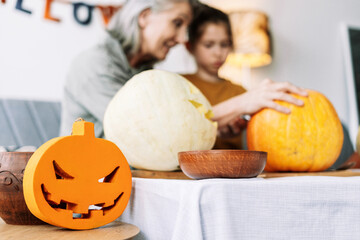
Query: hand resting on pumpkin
(228, 113)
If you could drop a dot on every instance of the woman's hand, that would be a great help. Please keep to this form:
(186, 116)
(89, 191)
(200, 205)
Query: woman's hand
(264, 95)
(254, 100)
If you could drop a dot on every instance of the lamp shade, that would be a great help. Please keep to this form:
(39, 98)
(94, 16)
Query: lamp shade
(251, 39)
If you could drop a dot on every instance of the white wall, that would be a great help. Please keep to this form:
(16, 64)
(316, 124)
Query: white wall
(35, 53)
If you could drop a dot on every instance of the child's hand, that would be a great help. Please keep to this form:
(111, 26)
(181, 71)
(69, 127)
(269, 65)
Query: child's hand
(264, 95)
(233, 128)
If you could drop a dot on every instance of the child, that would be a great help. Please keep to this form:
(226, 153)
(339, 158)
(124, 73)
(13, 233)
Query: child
(210, 41)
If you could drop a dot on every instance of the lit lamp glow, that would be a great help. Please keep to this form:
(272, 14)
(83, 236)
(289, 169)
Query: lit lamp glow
(251, 45)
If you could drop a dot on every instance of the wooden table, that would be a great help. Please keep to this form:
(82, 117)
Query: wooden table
(181, 175)
(115, 230)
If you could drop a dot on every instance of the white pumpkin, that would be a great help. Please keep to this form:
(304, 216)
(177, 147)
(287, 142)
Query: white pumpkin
(157, 114)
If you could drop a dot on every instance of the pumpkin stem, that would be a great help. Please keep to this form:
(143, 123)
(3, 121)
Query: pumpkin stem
(79, 119)
(81, 127)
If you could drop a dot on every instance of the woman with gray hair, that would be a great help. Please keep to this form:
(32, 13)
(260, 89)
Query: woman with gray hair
(139, 35)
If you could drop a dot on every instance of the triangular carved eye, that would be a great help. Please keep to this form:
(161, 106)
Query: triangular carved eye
(109, 178)
(60, 173)
(202, 109)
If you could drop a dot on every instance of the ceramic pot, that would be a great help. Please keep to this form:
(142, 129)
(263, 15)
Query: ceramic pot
(13, 209)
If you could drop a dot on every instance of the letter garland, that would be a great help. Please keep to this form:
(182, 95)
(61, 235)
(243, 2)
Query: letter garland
(106, 11)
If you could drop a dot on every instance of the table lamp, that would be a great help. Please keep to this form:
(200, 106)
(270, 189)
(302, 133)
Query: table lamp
(251, 45)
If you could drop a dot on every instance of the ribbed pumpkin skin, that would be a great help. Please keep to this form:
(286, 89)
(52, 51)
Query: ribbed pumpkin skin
(156, 115)
(307, 140)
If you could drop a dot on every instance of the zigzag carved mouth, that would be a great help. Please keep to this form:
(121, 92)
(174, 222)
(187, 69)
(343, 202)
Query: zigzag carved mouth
(65, 206)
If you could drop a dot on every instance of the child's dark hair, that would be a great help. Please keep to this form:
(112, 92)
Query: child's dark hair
(204, 14)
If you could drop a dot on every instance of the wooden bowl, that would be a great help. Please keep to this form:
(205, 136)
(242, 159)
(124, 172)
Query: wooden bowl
(13, 209)
(222, 163)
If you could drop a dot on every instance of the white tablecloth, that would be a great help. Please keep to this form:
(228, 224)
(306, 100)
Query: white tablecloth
(278, 208)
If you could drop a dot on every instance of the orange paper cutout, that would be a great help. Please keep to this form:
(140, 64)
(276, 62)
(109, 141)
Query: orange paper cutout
(67, 175)
(47, 13)
(107, 12)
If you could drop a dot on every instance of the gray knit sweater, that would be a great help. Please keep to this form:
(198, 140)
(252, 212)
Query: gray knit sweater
(94, 78)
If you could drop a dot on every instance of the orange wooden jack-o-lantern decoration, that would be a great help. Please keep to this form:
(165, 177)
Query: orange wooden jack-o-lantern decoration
(78, 181)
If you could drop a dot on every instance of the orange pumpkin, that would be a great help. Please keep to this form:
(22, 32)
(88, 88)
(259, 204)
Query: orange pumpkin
(78, 181)
(308, 139)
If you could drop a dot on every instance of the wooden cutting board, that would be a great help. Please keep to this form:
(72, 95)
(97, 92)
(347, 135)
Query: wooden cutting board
(181, 175)
(114, 230)
(339, 173)
(159, 174)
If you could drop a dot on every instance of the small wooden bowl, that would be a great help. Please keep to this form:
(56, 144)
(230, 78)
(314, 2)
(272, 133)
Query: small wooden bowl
(222, 163)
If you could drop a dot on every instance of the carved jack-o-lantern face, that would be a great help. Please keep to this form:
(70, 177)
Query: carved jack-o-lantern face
(78, 181)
